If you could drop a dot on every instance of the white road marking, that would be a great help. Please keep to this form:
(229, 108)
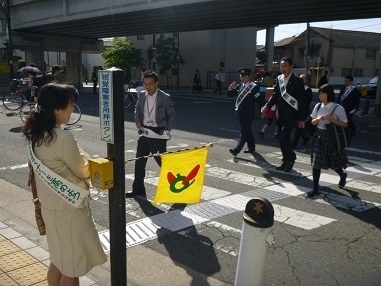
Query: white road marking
(298, 218)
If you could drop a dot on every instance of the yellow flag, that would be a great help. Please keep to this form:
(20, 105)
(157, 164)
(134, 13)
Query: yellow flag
(181, 177)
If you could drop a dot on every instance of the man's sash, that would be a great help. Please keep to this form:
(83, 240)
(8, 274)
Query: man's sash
(69, 192)
(241, 96)
(287, 97)
(346, 93)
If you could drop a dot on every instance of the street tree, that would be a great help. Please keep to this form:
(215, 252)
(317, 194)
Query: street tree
(167, 55)
(123, 55)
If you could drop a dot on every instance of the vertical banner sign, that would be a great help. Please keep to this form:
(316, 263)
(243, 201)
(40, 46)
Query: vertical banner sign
(106, 112)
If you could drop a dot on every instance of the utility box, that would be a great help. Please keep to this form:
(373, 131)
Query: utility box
(101, 173)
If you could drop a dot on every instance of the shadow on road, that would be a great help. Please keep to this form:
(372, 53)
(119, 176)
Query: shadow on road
(189, 250)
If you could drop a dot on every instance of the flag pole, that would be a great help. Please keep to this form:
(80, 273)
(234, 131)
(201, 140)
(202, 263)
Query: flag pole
(170, 152)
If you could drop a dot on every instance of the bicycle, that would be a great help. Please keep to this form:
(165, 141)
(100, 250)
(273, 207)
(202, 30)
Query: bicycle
(30, 107)
(129, 95)
(15, 99)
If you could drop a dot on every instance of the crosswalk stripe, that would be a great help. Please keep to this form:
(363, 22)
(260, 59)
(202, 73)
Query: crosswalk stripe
(299, 218)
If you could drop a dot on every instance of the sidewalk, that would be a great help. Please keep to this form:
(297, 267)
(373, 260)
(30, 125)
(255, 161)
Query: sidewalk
(24, 258)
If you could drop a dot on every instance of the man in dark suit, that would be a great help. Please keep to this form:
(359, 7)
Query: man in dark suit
(291, 101)
(154, 117)
(308, 99)
(349, 98)
(247, 92)
(197, 82)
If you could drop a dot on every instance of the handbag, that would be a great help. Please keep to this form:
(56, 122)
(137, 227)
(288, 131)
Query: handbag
(338, 137)
(308, 128)
(37, 204)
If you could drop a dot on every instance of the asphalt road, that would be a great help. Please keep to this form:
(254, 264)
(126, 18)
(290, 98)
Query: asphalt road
(331, 240)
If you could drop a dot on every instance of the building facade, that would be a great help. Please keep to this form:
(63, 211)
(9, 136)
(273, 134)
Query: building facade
(340, 52)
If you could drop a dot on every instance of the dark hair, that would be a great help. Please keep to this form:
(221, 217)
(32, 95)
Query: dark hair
(52, 96)
(151, 74)
(350, 77)
(328, 89)
(287, 59)
(56, 68)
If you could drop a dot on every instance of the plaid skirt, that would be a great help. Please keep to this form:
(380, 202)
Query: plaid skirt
(322, 157)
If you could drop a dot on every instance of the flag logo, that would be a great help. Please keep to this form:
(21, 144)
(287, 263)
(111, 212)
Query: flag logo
(181, 177)
(173, 181)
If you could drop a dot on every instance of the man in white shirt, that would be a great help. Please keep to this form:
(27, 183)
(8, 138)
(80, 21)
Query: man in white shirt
(220, 78)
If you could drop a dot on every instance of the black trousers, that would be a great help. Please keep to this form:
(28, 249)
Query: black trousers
(146, 146)
(246, 135)
(219, 85)
(285, 129)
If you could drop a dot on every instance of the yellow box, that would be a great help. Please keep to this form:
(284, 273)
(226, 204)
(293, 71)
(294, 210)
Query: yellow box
(101, 173)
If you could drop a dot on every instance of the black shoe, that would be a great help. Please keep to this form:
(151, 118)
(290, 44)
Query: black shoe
(130, 195)
(313, 193)
(250, 150)
(343, 180)
(233, 152)
(288, 166)
(281, 167)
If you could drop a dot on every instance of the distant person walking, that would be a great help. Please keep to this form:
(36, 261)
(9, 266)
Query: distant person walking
(308, 99)
(53, 76)
(94, 79)
(349, 98)
(324, 79)
(220, 78)
(197, 82)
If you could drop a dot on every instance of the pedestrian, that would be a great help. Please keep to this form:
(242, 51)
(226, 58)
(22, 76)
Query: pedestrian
(324, 79)
(268, 80)
(289, 97)
(154, 117)
(197, 82)
(53, 76)
(94, 79)
(321, 156)
(349, 98)
(140, 82)
(308, 99)
(270, 115)
(220, 78)
(73, 242)
(247, 92)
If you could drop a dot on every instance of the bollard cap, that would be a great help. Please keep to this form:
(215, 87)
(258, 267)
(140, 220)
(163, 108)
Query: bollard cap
(259, 212)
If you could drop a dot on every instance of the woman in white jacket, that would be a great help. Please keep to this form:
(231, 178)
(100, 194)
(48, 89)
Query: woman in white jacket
(74, 246)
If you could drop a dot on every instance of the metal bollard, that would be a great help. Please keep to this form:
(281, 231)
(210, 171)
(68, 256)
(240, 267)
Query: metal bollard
(256, 236)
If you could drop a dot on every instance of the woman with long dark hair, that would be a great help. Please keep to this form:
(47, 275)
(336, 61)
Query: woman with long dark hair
(322, 157)
(73, 242)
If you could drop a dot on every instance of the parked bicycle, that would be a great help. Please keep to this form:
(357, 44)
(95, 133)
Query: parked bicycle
(30, 107)
(15, 98)
(130, 94)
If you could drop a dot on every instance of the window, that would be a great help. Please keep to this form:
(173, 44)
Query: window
(346, 71)
(140, 37)
(357, 72)
(370, 53)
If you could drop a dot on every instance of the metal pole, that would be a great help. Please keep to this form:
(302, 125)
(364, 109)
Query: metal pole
(117, 200)
(307, 46)
(258, 220)
(378, 90)
(154, 42)
(178, 59)
(10, 44)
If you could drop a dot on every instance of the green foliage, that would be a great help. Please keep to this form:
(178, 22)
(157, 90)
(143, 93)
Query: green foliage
(21, 64)
(167, 54)
(122, 55)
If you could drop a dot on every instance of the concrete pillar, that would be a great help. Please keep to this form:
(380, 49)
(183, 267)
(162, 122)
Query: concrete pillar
(269, 47)
(74, 69)
(36, 57)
